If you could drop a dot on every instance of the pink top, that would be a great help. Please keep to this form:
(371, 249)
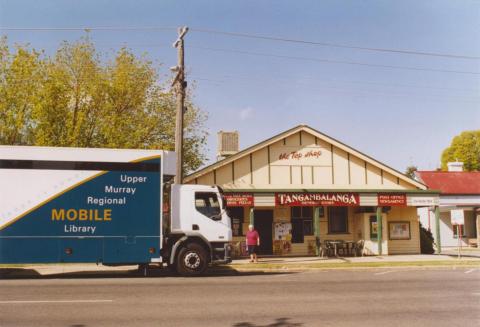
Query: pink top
(252, 237)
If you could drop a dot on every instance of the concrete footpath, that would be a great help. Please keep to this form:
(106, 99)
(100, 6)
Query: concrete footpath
(448, 255)
(271, 263)
(366, 259)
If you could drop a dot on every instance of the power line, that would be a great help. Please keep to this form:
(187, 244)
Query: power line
(330, 61)
(280, 79)
(300, 83)
(336, 45)
(87, 28)
(356, 92)
(245, 35)
(309, 80)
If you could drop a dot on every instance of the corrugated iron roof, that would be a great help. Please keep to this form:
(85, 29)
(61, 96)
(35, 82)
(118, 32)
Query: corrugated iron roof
(449, 182)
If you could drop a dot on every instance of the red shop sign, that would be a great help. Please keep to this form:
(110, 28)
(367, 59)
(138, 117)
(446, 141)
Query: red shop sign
(239, 199)
(392, 199)
(317, 199)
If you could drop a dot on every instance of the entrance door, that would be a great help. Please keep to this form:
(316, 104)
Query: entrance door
(264, 227)
(297, 231)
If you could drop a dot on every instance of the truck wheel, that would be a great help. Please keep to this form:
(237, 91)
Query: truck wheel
(191, 260)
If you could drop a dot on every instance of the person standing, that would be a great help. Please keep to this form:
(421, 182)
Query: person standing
(253, 241)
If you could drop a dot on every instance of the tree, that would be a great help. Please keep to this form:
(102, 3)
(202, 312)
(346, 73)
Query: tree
(426, 241)
(77, 98)
(20, 77)
(410, 171)
(465, 148)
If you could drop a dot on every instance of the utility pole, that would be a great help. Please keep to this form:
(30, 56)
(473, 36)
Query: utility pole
(181, 84)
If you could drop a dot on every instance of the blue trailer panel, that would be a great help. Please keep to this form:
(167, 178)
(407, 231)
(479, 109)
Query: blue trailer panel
(111, 217)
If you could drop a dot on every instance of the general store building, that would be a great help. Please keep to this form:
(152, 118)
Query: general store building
(302, 185)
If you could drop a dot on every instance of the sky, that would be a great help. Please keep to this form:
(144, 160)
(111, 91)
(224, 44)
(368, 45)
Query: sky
(403, 115)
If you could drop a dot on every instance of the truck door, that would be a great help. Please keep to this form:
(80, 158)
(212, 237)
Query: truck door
(209, 217)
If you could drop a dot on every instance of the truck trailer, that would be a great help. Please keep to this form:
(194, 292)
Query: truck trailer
(107, 206)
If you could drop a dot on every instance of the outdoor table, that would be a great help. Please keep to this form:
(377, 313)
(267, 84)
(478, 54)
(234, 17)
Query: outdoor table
(335, 243)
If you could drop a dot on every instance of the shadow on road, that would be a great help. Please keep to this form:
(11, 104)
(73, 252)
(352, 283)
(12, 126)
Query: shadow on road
(280, 322)
(18, 273)
(27, 273)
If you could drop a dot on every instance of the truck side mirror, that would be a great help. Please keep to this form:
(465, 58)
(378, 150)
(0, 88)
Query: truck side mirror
(216, 217)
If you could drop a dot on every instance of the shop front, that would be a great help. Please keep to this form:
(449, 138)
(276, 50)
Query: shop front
(301, 189)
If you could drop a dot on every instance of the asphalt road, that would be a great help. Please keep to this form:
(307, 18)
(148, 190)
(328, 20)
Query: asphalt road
(381, 297)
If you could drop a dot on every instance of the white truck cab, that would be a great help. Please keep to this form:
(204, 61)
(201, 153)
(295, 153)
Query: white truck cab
(200, 210)
(200, 229)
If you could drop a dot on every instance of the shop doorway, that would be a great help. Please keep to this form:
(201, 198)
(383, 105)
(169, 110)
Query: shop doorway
(264, 225)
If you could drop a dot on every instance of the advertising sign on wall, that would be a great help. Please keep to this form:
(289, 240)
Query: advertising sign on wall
(239, 199)
(457, 216)
(422, 201)
(295, 155)
(283, 231)
(373, 228)
(399, 230)
(317, 199)
(282, 243)
(392, 199)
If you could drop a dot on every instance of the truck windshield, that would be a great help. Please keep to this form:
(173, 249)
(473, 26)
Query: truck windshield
(208, 205)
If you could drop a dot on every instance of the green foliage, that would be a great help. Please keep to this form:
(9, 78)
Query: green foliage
(426, 241)
(20, 77)
(465, 148)
(410, 171)
(75, 98)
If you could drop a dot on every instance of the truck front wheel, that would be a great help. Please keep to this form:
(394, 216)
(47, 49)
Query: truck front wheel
(191, 260)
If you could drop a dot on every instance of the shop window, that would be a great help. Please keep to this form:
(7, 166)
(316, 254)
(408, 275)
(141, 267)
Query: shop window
(296, 212)
(236, 214)
(456, 228)
(307, 227)
(337, 220)
(302, 223)
(208, 205)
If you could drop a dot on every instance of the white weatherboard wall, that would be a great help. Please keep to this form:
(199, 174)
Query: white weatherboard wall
(303, 158)
(446, 229)
(23, 189)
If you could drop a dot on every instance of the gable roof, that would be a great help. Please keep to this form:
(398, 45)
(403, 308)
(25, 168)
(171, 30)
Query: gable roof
(449, 182)
(314, 132)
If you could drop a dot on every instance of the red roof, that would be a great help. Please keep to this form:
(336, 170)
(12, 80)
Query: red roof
(449, 182)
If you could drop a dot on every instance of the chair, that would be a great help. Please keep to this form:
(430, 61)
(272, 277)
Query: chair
(341, 246)
(323, 250)
(328, 248)
(349, 246)
(358, 248)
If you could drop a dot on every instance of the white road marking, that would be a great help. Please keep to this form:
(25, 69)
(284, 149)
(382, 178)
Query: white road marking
(385, 272)
(55, 301)
(470, 271)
